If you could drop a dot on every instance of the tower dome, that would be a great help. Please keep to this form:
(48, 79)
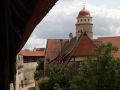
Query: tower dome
(83, 13)
(84, 22)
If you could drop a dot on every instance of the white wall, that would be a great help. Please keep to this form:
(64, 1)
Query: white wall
(29, 69)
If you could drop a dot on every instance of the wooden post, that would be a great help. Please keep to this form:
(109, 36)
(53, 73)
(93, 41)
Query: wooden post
(4, 48)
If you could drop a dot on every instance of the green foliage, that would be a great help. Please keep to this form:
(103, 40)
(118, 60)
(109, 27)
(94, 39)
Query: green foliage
(40, 65)
(57, 86)
(57, 73)
(56, 81)
(39, 70)
(103, 73)
(45, 85)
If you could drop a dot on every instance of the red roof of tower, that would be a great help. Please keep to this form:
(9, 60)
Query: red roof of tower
(84, 12)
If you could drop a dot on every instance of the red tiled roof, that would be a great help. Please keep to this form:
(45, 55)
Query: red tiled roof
(81, 48)
(84, 47)
(114, 40)
(31, 53)
(66, 50)
(53, 48)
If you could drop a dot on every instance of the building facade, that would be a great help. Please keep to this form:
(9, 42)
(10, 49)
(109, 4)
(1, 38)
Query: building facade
(26, 66)
(73, 51)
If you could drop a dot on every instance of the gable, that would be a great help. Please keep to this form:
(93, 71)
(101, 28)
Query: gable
(84, 47)
(53, 48)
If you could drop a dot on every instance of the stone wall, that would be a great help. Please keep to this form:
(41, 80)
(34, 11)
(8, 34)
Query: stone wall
(29, 69)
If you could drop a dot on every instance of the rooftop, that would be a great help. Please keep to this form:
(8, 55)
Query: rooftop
(84, 47)
(31, 53)
(114, 40)
(53, 48)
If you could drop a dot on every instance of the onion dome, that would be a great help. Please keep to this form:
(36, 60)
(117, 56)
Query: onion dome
(83, 13)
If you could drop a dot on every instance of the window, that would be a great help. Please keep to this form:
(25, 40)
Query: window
(84, 19)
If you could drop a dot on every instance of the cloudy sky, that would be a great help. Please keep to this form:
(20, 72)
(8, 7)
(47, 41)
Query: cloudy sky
(61, 20)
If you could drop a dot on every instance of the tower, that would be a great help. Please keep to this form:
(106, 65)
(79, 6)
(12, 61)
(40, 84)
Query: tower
(84, 23)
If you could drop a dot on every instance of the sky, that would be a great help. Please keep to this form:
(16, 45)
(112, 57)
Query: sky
(61, 20)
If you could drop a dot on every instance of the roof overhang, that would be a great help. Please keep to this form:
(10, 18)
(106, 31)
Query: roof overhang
(41, 9)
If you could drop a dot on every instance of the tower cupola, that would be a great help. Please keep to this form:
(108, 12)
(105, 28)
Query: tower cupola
(84, 22)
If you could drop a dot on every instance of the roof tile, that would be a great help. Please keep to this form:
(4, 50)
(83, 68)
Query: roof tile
(114, 40)
(31, 53)
(84, 47)
(53, 48)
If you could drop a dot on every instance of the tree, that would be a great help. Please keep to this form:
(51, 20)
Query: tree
(39, 70)
(45, 85)
(56, 79)
(103, 73)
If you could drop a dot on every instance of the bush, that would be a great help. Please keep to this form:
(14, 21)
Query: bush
(55, 81)
(39, 72)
